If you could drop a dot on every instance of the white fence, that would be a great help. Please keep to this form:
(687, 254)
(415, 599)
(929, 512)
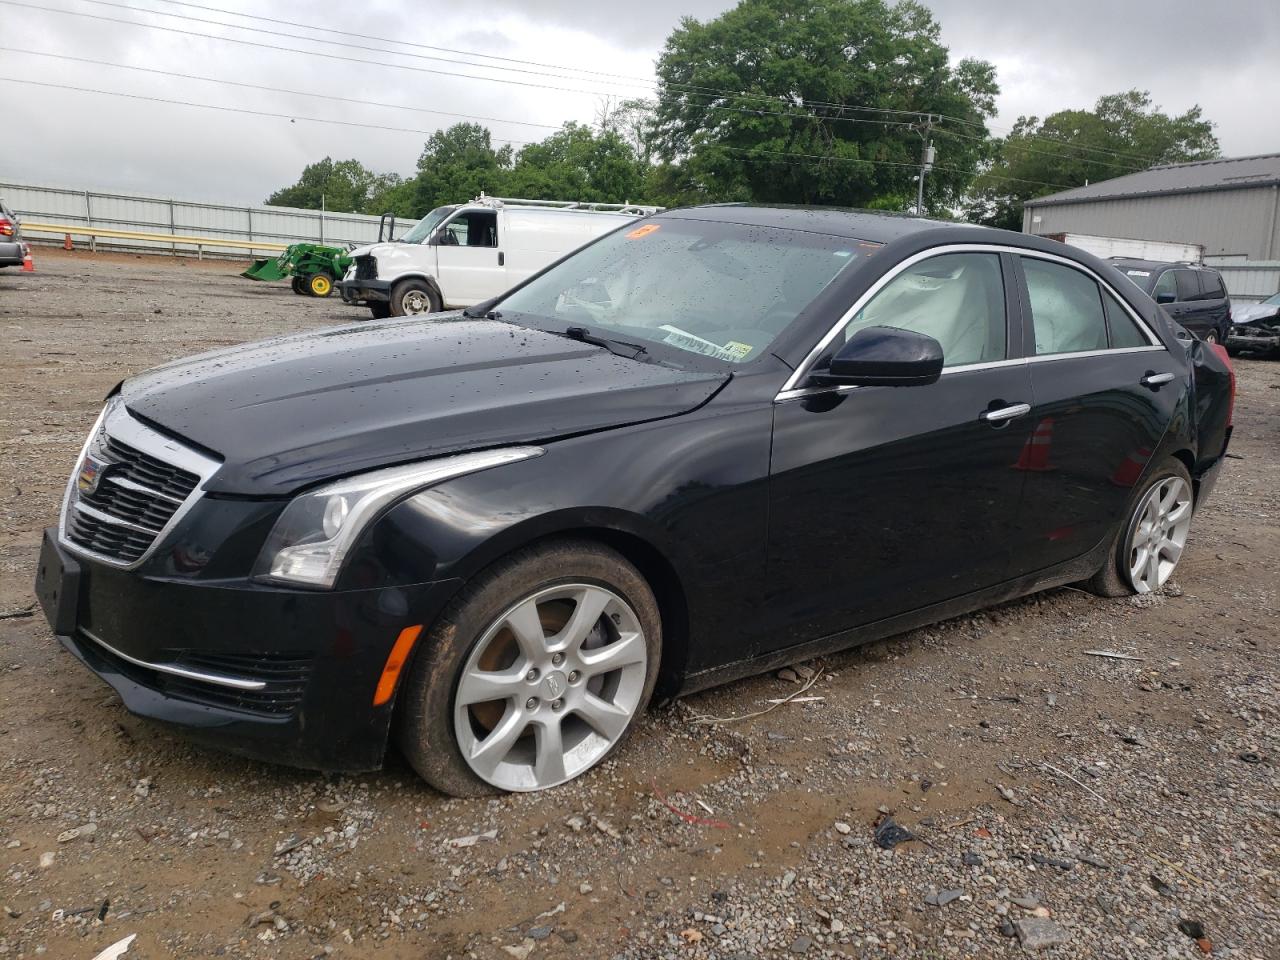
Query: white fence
(179, 218)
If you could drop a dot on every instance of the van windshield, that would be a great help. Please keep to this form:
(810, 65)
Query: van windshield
(721, 290)
(426, 226)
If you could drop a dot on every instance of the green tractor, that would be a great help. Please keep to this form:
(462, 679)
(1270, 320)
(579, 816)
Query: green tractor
(313, 266)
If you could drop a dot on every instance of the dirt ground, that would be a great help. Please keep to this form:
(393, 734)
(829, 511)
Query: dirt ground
(1098, 807)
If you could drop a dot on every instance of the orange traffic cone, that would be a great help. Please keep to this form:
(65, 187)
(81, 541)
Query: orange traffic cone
(1035, 452)
(66, 241)
(1130, 470)
(28, 265)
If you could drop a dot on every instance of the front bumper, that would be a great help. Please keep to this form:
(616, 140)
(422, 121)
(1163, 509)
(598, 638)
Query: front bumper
(364, 291)
(1248, 338)
(293, 671)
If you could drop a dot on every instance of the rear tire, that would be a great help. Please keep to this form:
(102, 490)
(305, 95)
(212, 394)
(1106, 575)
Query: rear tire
(410, 298)
(554, 719)
(297, 286)
(1115, 579)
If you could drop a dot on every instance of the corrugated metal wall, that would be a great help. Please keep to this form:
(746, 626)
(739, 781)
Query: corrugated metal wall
(123, 211)
(1249, 282)
(1225, 222)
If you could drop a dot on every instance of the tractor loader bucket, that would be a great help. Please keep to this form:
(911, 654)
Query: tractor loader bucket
(266, 269)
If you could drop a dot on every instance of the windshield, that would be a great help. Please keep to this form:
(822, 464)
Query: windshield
(426, 226)
(1273, 300)
(1144, 279)
(722, 290)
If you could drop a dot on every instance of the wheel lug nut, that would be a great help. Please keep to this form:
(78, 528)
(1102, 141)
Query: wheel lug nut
(557, 704)
(531, 703)
(532, 675)
(573, 676)
(558, 659)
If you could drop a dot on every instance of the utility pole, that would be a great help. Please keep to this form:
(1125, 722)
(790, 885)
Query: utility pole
(924, 128)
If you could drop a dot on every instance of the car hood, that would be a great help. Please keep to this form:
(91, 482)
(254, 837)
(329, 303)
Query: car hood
(1249, 312)
(291, 411)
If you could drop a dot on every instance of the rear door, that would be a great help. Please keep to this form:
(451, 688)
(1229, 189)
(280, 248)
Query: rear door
(1104, 391)
(888, 499)
(469, 261)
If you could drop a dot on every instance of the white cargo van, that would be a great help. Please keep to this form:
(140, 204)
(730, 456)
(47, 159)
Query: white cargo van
(459, 255)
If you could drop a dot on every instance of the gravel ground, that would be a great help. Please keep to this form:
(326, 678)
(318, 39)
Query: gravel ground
(1056, 801)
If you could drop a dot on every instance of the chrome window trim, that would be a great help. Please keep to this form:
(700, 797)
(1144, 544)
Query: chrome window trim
(791, 391)
(221, 679)
(117, 423)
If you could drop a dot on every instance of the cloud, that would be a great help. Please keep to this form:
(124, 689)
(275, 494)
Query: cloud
(1047, 59)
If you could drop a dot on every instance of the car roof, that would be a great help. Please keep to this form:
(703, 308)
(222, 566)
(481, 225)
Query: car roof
(875, 226)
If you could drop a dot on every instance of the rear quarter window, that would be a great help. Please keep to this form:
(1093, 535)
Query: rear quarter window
(1188, 285)
(1211, 285)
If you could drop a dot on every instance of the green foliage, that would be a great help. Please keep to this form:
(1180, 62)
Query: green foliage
(1122, 134)
(578, 164)
(458, 164)
(797, 101)
(346, 186)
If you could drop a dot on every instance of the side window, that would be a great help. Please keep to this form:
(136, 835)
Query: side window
(956, 298)
(1166, 288)
(475, 228)
(1188, 285)
(1124, 332)
(1211, 287)
(1066, 308)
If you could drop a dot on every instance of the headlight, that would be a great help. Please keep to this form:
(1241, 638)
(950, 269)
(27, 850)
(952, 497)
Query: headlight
(317, 529)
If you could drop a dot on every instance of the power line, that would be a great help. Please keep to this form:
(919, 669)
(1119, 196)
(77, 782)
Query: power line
(686, 89)
(245, 110)
(373, 126)
(708, 91)
(256, 86)
(1045, 153)
(407, 43)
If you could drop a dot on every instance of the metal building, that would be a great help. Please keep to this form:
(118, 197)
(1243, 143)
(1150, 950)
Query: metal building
(1230, 207)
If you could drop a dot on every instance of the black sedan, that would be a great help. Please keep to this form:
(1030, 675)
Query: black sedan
(712, 442)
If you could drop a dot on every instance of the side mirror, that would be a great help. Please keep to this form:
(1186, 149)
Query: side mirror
(1166, 297)
(885, 357)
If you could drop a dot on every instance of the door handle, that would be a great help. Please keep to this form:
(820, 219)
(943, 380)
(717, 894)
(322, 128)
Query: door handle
(502, 259)
(1155, 379)
(1005, 413)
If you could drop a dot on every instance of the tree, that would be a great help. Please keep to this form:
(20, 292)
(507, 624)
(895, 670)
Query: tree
(459, 164)
(812, 101)
(1122, 134)
(345, 186)
(576, 163)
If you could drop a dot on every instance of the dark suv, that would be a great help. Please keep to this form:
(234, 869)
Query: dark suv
(1193, 296)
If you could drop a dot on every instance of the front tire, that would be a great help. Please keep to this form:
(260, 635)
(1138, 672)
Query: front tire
(1150, 541)
(534, 674)
(320, 285)
(379, 310)
(409, 298)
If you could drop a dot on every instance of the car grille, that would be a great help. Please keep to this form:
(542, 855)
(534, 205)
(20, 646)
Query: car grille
(366, 268)
(125, 491)
(285, 678)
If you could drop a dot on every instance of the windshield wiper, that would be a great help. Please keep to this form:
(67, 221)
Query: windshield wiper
(586, 336)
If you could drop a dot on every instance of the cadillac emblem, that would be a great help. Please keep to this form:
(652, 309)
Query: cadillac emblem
(90, 476)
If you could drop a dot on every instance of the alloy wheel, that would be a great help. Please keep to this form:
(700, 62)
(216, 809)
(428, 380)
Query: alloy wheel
(550, 687)
(1159, 533)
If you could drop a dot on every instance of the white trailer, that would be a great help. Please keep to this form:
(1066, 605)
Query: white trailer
(1106, 247)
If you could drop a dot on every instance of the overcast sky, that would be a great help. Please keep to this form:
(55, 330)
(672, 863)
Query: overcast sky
(1049, 56)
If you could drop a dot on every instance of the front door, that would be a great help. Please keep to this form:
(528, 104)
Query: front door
(887, 499)
(469, 260)
(1104, 389)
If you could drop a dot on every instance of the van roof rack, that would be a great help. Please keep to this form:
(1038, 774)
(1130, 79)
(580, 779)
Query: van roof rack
(635, 209)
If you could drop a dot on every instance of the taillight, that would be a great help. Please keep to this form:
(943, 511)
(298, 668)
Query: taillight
(6, 227)
(1221, 351)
